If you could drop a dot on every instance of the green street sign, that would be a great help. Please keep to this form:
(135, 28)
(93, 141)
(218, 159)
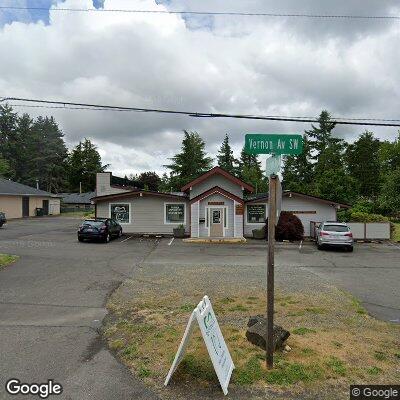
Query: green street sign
(259, 143)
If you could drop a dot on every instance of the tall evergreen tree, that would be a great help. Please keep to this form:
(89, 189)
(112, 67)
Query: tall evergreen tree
(225, 157)
(298, 170)
(4, 168)
(191, 162)
(250, 171)
(8, 137)
(362, 159)
(50, 155)
(320, 136)
(389, 199)
(83, 164)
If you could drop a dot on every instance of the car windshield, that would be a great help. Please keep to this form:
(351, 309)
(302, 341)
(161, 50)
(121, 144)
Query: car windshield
(95, 224)
(336, 228)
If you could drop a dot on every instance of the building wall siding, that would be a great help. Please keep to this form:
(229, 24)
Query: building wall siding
(194, 220)
(37, 202)
(11, 206)
(323, 212)
(238, 221)
(216, 180)
(147, 214)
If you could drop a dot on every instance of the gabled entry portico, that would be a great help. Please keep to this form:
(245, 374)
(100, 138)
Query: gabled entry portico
(216, 204)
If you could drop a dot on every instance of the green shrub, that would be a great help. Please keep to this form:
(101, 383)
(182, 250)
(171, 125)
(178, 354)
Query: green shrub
(359, 216)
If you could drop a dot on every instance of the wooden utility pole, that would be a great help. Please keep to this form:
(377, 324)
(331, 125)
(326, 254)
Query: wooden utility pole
(273, 180)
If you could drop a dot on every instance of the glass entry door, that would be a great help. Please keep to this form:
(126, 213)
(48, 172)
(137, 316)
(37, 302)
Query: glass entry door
(217, 223)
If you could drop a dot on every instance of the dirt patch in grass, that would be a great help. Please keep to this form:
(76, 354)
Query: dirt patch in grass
(6, 259)
(334, 342)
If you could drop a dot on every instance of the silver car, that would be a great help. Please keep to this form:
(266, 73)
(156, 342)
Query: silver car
(334, 234)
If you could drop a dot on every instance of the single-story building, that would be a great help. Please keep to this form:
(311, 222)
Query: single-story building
(216, 204)
(77, 201)
(18, 200)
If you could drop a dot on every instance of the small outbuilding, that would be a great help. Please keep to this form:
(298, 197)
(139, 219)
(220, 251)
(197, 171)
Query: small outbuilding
(216, 204)
(77, 201)
(18, 200)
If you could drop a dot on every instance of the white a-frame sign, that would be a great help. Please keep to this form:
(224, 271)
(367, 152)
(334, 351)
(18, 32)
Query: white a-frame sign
(216, 346)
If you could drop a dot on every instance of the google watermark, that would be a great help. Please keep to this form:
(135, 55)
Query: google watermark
(43, 390)
(374, 392)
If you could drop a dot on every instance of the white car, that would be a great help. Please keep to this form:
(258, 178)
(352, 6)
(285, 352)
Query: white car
(334, 234)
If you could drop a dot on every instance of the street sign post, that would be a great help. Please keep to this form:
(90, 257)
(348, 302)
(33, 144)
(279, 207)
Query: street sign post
(277, 145)
(257, 143)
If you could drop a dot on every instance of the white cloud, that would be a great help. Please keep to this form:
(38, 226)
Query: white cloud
(242, 65)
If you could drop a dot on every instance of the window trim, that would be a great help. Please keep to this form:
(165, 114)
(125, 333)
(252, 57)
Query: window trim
(247, 214)
(165, 212)
(129, 213)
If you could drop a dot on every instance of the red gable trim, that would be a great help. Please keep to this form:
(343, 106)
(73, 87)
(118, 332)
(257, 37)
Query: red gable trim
(220, 171)
(138, 192)
(216, 189)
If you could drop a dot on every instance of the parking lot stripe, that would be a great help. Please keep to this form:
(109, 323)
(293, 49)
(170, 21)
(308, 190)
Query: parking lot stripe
(170, 242)
(129, 237)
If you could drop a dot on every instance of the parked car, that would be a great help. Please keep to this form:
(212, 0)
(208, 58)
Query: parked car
(3, 219)
(334, 234)
(102, 229)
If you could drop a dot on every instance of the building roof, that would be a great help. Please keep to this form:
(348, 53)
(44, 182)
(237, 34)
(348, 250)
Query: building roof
(260, 197)
(77, 198)
(12, 188)
(139, 193)
(218, 171)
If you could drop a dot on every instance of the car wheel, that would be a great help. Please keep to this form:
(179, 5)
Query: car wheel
(80, 239)
(350, 248)
(120, 233)
(319, 246)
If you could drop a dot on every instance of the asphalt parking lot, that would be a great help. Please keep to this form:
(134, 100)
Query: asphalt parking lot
(52, 300)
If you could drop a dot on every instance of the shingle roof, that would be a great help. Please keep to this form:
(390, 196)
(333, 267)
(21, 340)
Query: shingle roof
(15, 188)
(77, 198)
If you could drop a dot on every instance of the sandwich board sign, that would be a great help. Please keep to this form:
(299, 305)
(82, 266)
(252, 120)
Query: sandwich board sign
(215, 343)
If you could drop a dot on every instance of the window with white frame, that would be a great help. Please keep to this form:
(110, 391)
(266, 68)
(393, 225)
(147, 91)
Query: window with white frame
(174, 213)
(256, 213)
(121, 213)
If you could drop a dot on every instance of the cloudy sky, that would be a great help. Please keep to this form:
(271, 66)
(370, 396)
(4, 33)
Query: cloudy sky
(229, 64)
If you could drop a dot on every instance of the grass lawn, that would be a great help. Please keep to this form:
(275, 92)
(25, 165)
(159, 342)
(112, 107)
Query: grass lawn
(79, 214)
(334, 342)
(396, 232)
(6, 259)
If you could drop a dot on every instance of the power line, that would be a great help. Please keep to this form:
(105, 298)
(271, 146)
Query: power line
(297, 118)
(211, 13)
(98, 107)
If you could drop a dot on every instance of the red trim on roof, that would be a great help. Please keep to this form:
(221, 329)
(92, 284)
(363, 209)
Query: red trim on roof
(137, 192)
(216, 189)
(220, 171)
(308, 196)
